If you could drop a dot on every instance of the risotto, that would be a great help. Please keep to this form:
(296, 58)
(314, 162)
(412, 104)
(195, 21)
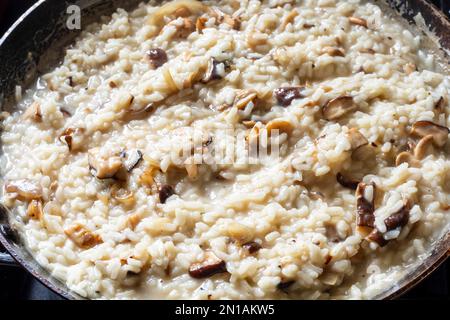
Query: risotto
(235, 149)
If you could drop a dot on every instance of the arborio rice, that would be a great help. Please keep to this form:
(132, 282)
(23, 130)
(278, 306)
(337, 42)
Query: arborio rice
(353, 189)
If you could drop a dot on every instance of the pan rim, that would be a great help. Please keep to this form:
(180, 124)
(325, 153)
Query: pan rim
(62, 289)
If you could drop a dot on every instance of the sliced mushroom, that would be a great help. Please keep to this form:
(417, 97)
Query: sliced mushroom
(440, 105)
(208, 142)
(65, 112)
(184, 29)
(131, 159)
(286, 95)
(25, 189)
(365, 206)
(221, 17)
(409, 145)
(33, 112)
(103, 166)
(165, 192)
(406, 157)
(66, 137)
(347, 183)
(333, 51)
(358, 21)
(72, 138)
(214, 70)
(34, 210)
(423, 147)
(171, 85)
(147, 177)
(244, 97)
(338, 107)
(252, 136)
(192, 170)
(133, 220)
(177, 8)
(282, 125)
(398, 219)
(425, 128)
(356, 139)
(200, 24)
(82, 237)
(249, 123)
(233, 22)
(211, 265)
(123, 196)
(157, 57)
(252, 247)
(377, 237)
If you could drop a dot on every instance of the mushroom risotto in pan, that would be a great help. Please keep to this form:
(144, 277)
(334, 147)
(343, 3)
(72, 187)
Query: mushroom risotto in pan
(233, 149)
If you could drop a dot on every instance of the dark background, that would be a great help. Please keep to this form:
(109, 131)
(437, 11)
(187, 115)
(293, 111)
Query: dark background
(17, 284)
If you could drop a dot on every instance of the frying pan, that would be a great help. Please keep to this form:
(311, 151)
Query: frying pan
(37, 40)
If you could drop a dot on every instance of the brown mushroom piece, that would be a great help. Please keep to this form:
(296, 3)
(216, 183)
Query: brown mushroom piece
(347, 183)
(338, 107)
(409, 145)
(221, 17)
(211, 265)
(213, 71)
(377, 237)
(25, 189)
(233, 22)
(82, 237)
(285, 95)
(65, 112)
(66, 137)
(423, 147)
(200, 24)
(192, 170)
(406, 157)
(69, 137)
(425, 128)
(177, 8)
(252, 247)
(131, 159)
(123, 196)
(282, 125)
(440, 105)
(244, 97)
(33, 112)
(356, 139)
(365, 207)
(165, 192)
(157, 57)
(184, 29)
(333, 51)
(358, 21)
(103, 166)
(400, 218)
(34, 210)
